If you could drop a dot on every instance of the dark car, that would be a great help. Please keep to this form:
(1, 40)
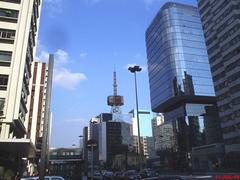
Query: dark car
(132, 174)
(175, 177)
(119, 175)
(145, 173)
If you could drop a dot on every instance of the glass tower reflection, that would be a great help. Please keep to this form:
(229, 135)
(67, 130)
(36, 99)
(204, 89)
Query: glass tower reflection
(180, 79)
(177, 56)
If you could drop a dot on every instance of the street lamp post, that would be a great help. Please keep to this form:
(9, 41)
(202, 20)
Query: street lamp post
(92, 145)
(81, 174)
(135, 69)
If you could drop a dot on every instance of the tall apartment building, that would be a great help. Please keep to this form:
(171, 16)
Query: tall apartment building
(163, 136)
(180, 81)
(220, 21)
(37, 106)
(147, 146)
(156, 121)
(19, 22)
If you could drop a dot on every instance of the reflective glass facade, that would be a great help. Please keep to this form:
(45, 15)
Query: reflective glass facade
(181, 84)
(177, 56)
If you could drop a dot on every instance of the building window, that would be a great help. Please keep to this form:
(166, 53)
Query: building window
(7, 36)
(2, 102)
(8, 15)
(12, 1)
(5, 56)
(3, 82)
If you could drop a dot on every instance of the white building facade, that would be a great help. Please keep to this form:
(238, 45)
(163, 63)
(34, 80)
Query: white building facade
(19, 22)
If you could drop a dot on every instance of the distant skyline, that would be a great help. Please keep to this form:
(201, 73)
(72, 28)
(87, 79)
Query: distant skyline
(89, 38)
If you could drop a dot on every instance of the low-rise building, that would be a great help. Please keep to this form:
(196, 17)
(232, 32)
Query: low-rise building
(66, 162)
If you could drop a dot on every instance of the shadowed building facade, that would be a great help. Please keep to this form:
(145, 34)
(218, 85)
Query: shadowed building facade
(220, 21)
(181, 85)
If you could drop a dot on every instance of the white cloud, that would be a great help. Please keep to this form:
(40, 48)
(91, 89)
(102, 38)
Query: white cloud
(67, 79)
(62, 77)
(61, 57)
(42, 56)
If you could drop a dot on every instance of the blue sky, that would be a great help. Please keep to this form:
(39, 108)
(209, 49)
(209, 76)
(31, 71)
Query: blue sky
(89, 38)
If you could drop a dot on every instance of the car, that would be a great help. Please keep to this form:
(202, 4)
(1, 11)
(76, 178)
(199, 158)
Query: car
(97, 175)
(132, 174)
(45, 178)
(108, 175)
(176, 177)
(119, 175)
(145, 173)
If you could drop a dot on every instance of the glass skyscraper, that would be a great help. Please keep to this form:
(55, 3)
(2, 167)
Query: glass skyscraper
(177, 56)
(181, 85)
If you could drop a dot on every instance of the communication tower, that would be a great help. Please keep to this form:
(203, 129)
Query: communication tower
(115, 101)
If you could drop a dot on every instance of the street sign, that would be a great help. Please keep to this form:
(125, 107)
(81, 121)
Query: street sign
(91, 144)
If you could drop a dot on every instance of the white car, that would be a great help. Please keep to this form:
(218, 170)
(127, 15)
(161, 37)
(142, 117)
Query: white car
(45, 178)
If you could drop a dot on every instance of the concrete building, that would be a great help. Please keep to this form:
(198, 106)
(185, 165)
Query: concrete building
(37, 106)
(93, 130)
(114, 139)
(93, 133)
(163, 136)
(19, 21)
(156, 121)
(220, 22)
(147, 145)
(66, 162)
(181, 85)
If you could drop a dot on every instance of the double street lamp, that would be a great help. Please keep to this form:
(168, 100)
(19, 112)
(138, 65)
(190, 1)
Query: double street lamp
(134, 70)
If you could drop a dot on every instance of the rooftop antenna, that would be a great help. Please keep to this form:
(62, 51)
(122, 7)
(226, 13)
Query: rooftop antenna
(115, 101)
